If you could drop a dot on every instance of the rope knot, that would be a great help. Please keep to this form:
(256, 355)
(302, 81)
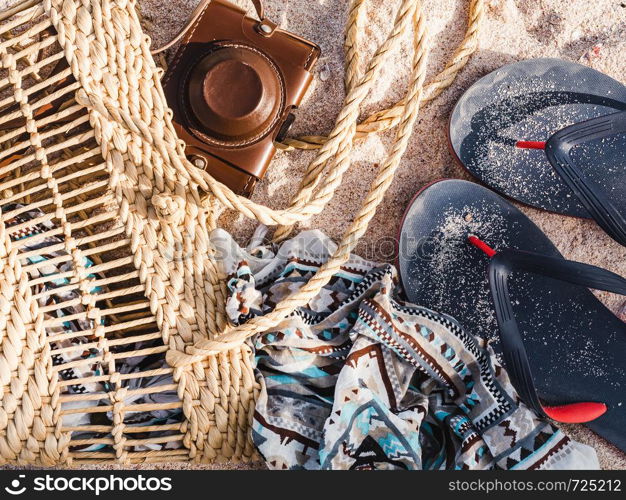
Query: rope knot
(203, 349)
(170, 209)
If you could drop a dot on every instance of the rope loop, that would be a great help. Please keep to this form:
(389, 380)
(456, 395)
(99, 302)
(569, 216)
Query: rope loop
(334, 158)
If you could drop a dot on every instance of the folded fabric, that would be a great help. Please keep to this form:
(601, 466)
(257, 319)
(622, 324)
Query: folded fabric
(357, 379)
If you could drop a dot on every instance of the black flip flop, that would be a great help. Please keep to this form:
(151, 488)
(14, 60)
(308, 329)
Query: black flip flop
(560, 344)
(550, 134)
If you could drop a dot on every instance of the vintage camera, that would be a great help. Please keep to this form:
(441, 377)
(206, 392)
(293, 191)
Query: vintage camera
(233, 86)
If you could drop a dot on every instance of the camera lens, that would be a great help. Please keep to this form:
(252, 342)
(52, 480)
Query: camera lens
(236, 93)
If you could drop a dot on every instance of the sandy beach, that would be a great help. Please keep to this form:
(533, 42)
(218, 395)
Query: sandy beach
(591, 33)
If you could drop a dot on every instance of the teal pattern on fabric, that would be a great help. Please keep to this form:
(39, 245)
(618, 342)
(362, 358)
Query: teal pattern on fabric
(357, 379)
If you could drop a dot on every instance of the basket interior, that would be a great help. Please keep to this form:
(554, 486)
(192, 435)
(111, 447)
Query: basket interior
(115, 395)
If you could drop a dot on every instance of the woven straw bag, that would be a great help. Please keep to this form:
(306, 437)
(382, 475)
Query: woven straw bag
(105, 257)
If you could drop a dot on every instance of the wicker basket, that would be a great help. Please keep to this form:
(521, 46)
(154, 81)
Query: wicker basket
(114, 346)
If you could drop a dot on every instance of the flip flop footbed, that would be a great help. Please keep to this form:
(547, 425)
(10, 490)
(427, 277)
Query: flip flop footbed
(531, 100)
(575, 345)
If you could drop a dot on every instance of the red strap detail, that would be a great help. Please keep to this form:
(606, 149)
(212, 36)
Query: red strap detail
(575, 413)
(531, 144)
(481, 245)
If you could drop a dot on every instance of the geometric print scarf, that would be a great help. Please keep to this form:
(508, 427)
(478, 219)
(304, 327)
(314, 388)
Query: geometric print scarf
(359, 380)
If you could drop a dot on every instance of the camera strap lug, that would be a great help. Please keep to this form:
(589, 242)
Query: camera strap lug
(266, 27)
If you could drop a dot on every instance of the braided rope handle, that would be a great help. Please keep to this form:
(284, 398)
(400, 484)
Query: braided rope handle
(387, 118)
(334, 154)
(410, 13)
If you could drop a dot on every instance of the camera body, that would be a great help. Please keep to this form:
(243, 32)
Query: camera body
(233, 86)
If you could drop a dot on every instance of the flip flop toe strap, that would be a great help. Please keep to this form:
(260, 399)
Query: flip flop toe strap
(501, 266)
(592, 196)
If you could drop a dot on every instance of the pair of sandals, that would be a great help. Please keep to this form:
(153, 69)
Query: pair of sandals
(550, 134)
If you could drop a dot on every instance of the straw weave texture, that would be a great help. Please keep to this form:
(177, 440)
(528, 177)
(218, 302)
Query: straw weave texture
(92, 171)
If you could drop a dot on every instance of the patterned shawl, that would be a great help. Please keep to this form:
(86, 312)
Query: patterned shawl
(359, 380)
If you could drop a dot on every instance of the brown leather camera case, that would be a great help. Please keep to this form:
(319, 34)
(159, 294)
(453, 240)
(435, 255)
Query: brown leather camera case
(232, 86)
